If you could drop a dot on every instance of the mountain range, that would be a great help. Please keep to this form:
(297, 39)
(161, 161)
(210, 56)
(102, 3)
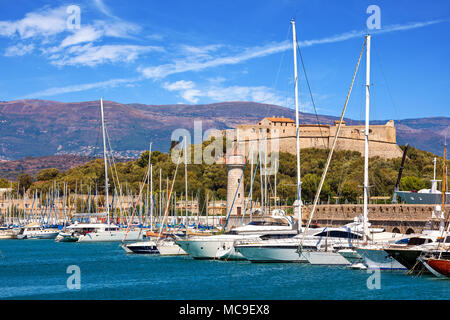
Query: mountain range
(37, 128)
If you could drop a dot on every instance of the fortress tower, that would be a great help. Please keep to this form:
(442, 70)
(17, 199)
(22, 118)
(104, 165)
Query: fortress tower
(235, 166)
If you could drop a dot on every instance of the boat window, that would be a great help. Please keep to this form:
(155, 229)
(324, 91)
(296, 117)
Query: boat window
(447, 240)
(338, 234)
(277, 236)
(268, 223)
(418, 241)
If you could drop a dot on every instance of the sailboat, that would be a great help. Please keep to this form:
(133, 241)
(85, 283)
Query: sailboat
(437, 260)
(167, 246)
(108, 232)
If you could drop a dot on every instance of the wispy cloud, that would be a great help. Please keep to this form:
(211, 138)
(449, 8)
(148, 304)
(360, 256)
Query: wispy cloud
(81, 87)
(188, 64)
(42, 23)
(90, 55)
(46, 29)
(78, 49)
(190, 92)
(19, 50)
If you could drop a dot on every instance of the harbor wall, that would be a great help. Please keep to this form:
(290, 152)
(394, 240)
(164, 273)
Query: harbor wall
(400, 218)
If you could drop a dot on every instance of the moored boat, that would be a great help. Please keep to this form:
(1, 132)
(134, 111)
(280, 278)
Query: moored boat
(36, 231)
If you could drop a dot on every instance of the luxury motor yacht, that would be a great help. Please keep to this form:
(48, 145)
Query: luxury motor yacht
(168, 247)
(100, 232)
(36, 231)
(407, 253)
(289, 250)
(222, 246)
(141, 247)
(7, 233)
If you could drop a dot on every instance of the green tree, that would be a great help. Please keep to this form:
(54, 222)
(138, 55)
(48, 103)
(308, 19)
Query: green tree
(25, 181)
(47, 174)
(409, 183)
(350, 191)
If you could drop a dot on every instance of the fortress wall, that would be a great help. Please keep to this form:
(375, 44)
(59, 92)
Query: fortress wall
(282, 137)
(388, 216)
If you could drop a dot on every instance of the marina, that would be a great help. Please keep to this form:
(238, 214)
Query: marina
(211, 198)
(37, 270)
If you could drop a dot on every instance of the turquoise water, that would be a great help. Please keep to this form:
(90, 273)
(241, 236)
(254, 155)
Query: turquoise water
(36, 269)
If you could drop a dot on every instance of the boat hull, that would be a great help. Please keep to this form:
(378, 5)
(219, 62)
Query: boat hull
(379, 259)
(407, 258)
(37, 235)
(170, 249)
(274, 254)
(204, 249)
(440, 266)
(325, 258)
(113, 236)
(145, 247)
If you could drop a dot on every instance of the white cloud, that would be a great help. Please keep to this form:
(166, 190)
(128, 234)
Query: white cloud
(42, 23)
(46, 26)
(178, 85)
(189, 64)
(84, 34)
(19, 50)
(192, 94)
(90, 55)
(81, 87)
(103, 8)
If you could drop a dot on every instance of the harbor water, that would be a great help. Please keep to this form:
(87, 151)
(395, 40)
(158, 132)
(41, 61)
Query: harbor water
(38, 269)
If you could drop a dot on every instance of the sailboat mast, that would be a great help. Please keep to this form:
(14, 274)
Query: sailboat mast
(106, 164)
(294, 47)
(185, 179)
(366, 142)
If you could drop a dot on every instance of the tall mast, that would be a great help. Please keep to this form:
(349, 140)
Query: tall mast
(148, 179)
(299, 192)
(185, 180)
(366, 143)
(106, 164)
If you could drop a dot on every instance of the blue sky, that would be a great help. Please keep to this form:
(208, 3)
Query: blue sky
(192, 52)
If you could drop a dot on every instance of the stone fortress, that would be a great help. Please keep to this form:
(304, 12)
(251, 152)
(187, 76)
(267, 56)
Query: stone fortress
(280, 133)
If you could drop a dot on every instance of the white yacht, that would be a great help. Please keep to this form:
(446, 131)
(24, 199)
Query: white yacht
(289, 250)
(208, 247)
(141, 247)
(168, 247)
(36, 231)
(7, 233)
(101, 232)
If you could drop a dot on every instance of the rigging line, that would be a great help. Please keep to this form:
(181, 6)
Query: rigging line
(164, 221)
(279, 69)
(387, 84)
(310, 91)
(330, 155)
(116, 174)
(251, 191)
(130, 221)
